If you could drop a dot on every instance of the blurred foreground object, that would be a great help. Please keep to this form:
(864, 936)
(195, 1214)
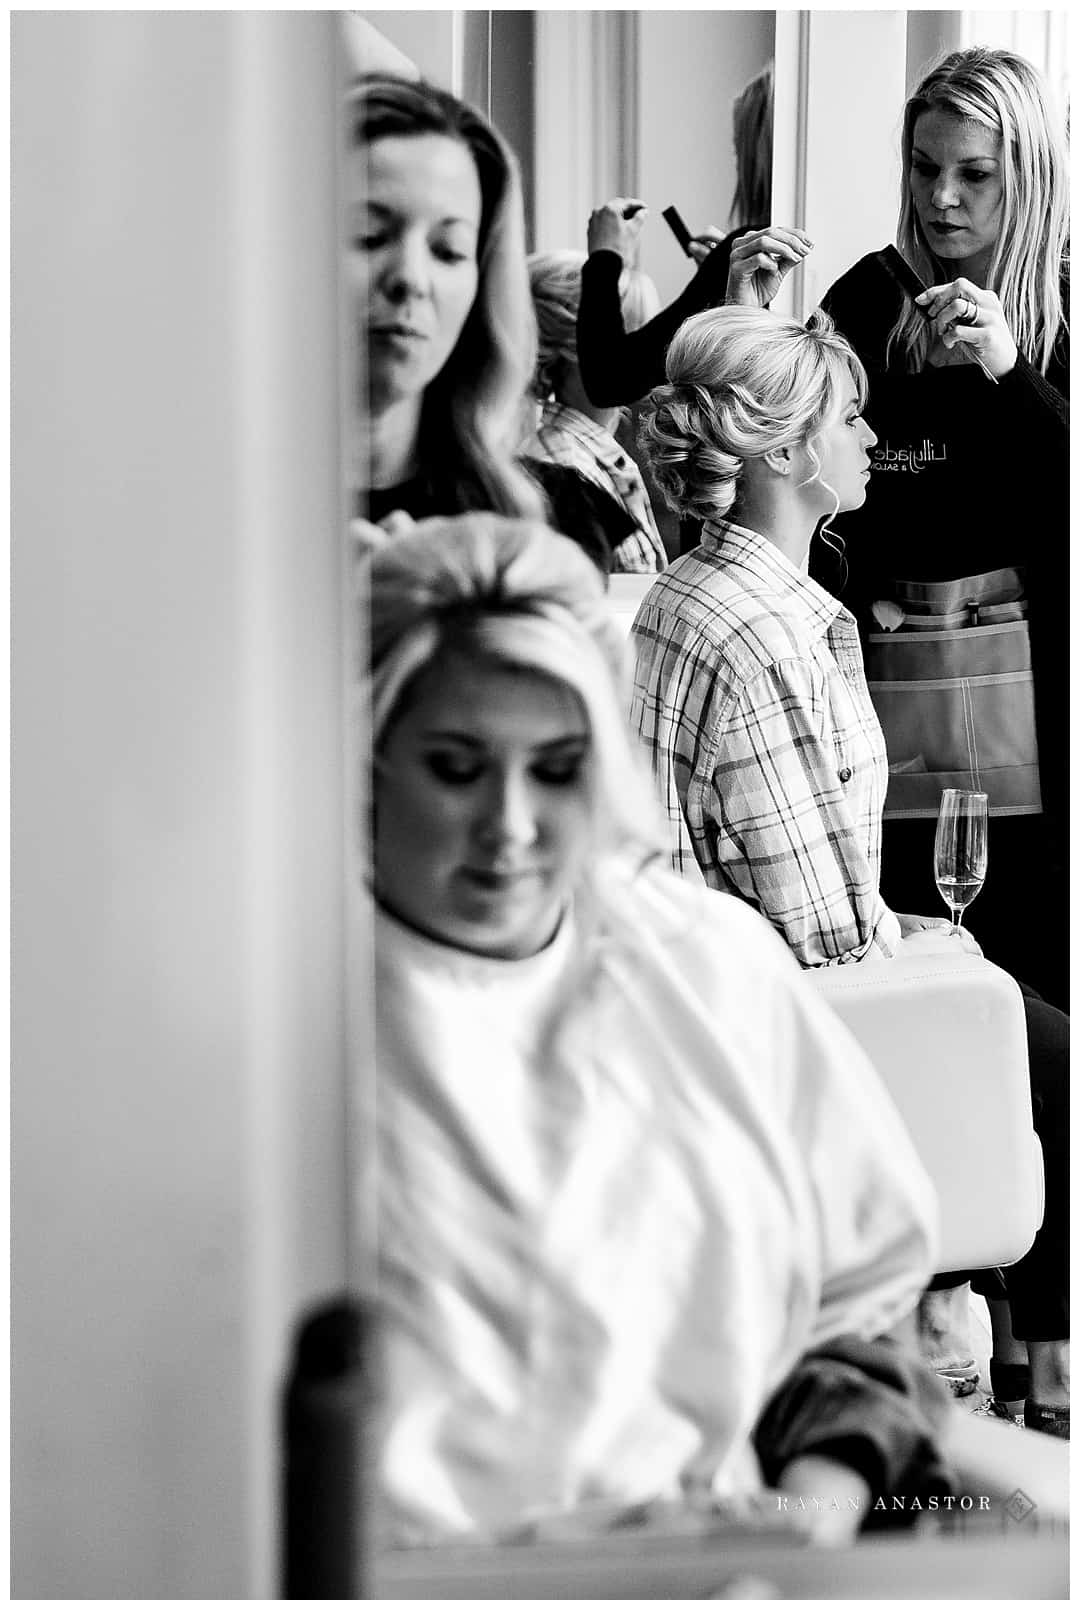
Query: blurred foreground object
(328, 1392)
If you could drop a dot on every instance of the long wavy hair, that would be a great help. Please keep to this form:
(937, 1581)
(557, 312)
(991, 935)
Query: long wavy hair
(741, 383)
(752, 127)
(1007, 95)
(514, 593)
(473, 411)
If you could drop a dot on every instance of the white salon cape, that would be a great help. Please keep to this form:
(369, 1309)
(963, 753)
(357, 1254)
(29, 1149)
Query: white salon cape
(624, 1184)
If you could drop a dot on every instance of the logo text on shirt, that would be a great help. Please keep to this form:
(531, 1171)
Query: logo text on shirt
(912, 458)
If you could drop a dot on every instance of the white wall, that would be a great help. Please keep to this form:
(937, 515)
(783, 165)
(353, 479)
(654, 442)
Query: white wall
(430, 39)
(585, 103)
(840, 89)
(691, 65)
(178, 1010)
(1041, 36)
(855, 107)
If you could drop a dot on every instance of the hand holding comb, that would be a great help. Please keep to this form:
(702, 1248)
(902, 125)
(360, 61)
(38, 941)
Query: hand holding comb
(901, 273)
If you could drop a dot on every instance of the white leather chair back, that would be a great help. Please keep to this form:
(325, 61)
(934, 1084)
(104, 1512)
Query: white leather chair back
(948, 1036)
(625, 594)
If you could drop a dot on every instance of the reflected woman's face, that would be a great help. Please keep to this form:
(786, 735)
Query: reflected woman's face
(956, 189)
(414, 218)
(483, 819)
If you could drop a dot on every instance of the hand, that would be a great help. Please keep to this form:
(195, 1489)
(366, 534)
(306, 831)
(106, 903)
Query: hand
(610, 230)
(932, 934)
(761, 260)
(836, 1499)
(963, 314)
(702, 244)
(911, 924)
(366, 536)
(397, 523)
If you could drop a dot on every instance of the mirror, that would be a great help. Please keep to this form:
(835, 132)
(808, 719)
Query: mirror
(598, 104)
(616, 94)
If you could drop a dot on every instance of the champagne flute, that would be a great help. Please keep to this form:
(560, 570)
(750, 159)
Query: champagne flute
(960, 850)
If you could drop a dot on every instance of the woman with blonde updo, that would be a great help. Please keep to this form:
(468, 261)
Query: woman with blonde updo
(750, 694)
(572, 430)
(749, 689)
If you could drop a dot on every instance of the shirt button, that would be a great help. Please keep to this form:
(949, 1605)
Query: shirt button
(844, 774)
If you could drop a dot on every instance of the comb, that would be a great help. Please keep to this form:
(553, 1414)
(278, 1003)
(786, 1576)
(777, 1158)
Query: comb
(673, 218)
(901, 273)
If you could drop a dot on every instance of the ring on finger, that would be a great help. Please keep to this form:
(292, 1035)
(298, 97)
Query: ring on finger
(970, 314)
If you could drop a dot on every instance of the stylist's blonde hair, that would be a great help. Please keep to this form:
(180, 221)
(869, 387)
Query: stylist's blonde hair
(742, 382)
(514, 593)
(1006, 94)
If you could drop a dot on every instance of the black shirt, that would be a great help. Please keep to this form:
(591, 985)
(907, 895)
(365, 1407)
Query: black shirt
(966, 477)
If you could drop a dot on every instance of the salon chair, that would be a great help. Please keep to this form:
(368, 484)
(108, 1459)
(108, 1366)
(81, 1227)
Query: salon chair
(947, 1034)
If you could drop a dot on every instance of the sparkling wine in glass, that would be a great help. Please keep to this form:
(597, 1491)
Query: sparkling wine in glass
(960, 850)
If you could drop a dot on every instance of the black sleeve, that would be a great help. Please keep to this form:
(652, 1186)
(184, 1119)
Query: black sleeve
(1041, 413)
(866, 1405)
(1038, 401)
(618, 365)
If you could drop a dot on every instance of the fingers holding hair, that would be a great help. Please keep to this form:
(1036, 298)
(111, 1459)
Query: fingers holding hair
(616, 226)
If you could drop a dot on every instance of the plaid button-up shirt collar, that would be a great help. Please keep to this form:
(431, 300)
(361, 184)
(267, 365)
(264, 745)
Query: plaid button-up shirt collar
(810, 605)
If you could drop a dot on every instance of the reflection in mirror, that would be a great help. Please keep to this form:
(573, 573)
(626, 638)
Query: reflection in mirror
(675, 108)
(611, 93)
(641, 104)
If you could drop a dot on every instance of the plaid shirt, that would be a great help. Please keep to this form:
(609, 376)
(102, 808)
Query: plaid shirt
(751, 697)
(566, 436)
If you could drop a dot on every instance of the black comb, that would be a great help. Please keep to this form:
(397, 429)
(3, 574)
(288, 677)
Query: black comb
(901, 273)
(673, 219)
(899, 269)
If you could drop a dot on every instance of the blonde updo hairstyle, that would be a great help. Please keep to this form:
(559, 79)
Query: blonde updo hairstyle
(555, 281)
(510, 593)
(742, 382)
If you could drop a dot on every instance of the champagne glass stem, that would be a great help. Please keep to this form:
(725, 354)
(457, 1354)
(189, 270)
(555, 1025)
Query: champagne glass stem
(957, 919)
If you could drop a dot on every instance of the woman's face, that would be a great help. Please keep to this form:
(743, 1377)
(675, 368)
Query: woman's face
(483, 818)
(956, 189)
(414, 203)
(843, 448)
